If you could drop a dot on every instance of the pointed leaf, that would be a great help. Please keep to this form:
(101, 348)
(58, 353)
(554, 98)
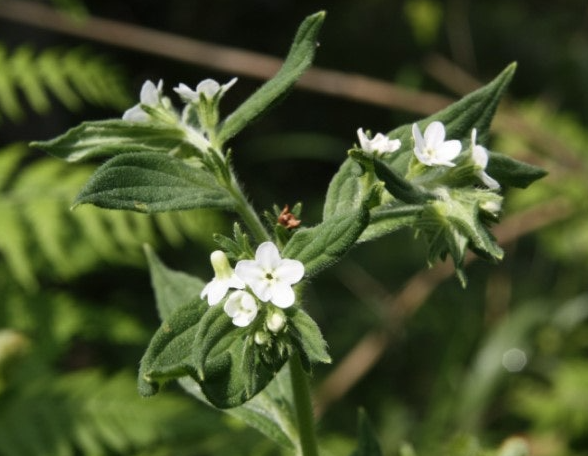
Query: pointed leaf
(509, 171)
(306, 333)
(298, 60)
(152, 182)
(173, 289)
(324, 244)
(111, 137)
(367, 440)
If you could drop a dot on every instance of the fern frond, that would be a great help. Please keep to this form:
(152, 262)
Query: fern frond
(74, 77)
(88, 413)
(41, 233)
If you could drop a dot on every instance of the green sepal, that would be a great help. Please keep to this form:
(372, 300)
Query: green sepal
(511, 172)
(238, 248)
(173, 289)
(298, 60)
(113, 137)
(152, 182)
(453, 222)
(367, 444)
(326, 243)
(307, 337)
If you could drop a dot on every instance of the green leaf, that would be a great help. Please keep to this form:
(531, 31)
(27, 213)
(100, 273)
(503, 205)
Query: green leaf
(346, 190)
(367, 440)
(170, 354)
(324, 244)
(112, 137)
(388, 218)
(308, 337)
(151, 182)
(270, 411)
(509, 171)
(173, 289)
(298, 60)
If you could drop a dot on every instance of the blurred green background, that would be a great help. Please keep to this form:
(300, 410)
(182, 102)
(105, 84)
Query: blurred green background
(498, 368)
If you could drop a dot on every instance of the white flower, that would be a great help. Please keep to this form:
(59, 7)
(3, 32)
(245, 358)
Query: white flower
(149, 96)
(224, 278)
(379, 143)
(433, 149)
(241, 307)
(271, 277)
(480, 157)
(209, 88)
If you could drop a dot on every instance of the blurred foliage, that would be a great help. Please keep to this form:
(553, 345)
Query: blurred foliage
(73, 77)
(497, 370)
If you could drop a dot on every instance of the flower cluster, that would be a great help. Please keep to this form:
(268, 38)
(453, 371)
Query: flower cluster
(431, 149)
(267, 278)
(204, 100)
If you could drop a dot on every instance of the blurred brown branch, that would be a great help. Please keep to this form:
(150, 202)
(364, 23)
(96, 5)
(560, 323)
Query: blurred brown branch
(223, 58)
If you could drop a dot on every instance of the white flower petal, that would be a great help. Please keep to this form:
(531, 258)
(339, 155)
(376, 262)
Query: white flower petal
(282, 295)
(267, 256)
(419, 142)
(249, 271)
(480, 156)
(228, 85)
(489, 181)
(135, 114)
(262, 289)
(448, 150)
(434, 134)
(217, 291)
(149, 94)
(208, 87)
(289, 271)
(364, 141)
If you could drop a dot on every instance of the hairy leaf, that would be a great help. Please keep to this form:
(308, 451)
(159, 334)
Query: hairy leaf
(324, 244)
(298, 60)
(509, 171)
(151, 182)
(111, 137)
(173, 289)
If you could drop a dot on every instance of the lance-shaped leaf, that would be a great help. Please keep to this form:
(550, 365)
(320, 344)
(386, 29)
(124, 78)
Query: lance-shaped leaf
(112, 137)
(151, 182)
(509, 171)
(298, 60)
(308, 338)
(367, 440)
(324, 244)
(173, 289)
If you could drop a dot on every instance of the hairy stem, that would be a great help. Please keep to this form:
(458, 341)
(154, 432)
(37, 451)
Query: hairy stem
(303, 406)
(247, 213)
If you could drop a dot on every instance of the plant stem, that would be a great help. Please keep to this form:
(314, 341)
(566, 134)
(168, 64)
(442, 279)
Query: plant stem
(303, 406)
(247, 213)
